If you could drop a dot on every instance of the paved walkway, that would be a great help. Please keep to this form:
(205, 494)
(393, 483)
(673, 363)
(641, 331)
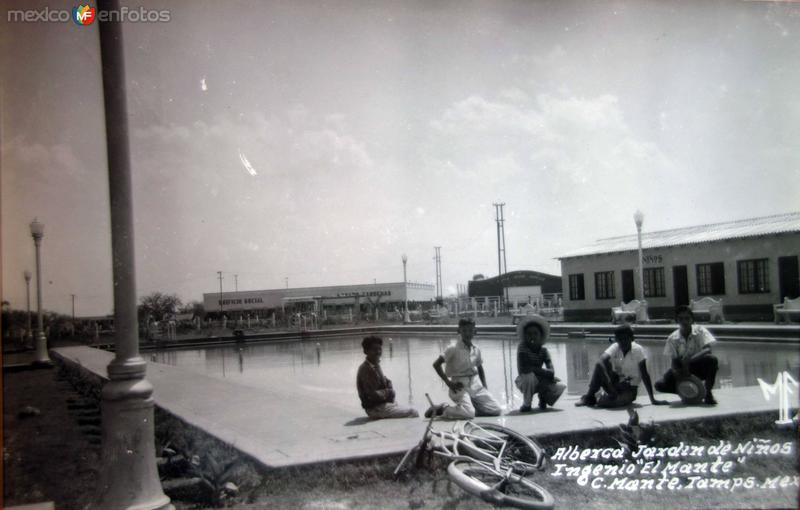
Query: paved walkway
(282, 426)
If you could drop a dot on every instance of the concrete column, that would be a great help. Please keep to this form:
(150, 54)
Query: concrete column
(128, 474)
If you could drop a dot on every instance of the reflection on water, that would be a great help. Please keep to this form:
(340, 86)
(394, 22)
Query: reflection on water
(326, 369)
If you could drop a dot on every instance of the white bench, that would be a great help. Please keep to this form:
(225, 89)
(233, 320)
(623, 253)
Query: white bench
(787, 309)
(437, 314)
(632, 309)
(524, 311)
(708, 306)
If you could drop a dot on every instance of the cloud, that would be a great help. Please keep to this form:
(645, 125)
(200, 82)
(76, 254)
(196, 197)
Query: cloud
(554, 160)
(308, 197)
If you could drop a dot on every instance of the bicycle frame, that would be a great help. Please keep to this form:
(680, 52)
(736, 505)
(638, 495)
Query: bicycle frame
(490, 458)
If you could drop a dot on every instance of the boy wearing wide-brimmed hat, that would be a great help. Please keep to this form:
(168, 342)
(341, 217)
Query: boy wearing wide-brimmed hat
(534, 366)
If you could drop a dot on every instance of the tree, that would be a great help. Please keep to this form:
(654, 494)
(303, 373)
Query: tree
(157, 306)
(195, 308)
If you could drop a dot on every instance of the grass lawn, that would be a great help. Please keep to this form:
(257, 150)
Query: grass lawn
(53, 455)
(751, 478)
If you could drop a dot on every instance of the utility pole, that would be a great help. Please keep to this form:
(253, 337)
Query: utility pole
(219, 275)
(236, 283)
(73, 308)
(502, 268)
(287, 282)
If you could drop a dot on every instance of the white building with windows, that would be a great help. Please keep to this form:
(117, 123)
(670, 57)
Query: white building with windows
(749, 264)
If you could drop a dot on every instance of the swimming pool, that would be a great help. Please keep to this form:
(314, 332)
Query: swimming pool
(325, 369)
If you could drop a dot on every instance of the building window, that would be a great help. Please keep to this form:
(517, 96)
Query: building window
(576, 292)
(654, 282)
(604, 285)
(753, 276)
(711, 279)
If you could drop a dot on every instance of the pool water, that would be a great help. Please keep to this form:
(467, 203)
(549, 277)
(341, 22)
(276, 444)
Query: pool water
(325, 369)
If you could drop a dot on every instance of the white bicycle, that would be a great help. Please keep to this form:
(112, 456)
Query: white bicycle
(489, 461)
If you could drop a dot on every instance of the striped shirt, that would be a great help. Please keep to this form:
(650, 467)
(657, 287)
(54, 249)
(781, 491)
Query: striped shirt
(528, 358)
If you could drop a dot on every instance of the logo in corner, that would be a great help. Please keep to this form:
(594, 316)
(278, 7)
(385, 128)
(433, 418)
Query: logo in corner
(83, 14)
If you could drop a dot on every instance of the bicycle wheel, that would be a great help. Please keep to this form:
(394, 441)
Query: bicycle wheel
(515, 450)
(513, 490)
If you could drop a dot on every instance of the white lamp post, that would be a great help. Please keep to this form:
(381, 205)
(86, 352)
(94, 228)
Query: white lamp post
(128, 475)
(28, 330)
(638, 217)
(37, 231)
(406, 319)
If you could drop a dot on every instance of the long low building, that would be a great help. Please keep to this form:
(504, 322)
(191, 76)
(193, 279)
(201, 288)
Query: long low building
(383, 295)
(749, 264)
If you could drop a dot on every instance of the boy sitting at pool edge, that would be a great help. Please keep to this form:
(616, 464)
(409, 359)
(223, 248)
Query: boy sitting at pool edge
(618, 373)
(375, 389)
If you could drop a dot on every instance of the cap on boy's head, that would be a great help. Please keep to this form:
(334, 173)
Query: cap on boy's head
(623, 331)
(466, 321)
(369, 341)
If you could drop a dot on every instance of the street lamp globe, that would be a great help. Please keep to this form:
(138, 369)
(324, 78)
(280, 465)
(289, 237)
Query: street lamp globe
(37, 229)
(638, 217)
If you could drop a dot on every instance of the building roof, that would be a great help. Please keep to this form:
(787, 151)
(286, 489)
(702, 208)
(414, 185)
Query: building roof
(740, 229)
(494, 286)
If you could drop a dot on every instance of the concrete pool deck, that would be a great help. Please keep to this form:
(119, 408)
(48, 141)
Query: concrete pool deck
(284, 426)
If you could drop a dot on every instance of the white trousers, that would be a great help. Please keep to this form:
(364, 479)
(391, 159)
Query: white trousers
(548, 391)
(391, 410)
(473, 399)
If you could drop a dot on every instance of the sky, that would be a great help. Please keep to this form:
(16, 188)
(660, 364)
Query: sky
(320, 141)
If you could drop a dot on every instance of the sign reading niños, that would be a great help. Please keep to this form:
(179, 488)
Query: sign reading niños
(652, 259)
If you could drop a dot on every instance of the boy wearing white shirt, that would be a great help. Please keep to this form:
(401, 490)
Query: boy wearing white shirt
(463, 374)
(689, 347)
(618, 373)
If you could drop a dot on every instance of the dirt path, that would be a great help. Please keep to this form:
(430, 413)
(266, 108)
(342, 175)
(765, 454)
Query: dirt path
(53, 455)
